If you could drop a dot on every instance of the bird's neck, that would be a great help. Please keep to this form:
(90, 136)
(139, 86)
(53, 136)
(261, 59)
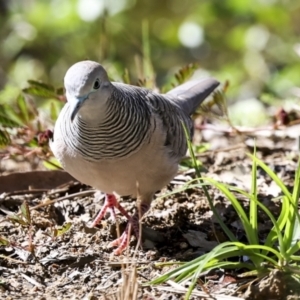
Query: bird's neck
(93, 116)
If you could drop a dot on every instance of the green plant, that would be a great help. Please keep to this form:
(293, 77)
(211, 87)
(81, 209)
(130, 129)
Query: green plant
(22, 129)
(280, 248)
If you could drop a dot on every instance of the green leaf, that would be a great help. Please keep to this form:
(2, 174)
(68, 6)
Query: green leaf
(201, 181)
(22, 105)
(41, 85)
(17, 219)
(26, 212)
(273, 176)
(52, 164)
(293, 224)
(4, 242)
(292, 205)
(6, 118)
(185, 73)
(295, 248)
(4, 138)
(275, 232)
(40, 92)
(62, 230)
(253, 204)
(214, 106)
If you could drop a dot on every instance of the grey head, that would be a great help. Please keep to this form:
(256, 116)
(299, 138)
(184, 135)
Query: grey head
(87, 89)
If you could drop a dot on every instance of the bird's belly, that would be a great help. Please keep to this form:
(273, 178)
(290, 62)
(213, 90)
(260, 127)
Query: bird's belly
(141, 173)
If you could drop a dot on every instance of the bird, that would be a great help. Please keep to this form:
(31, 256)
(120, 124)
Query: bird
(123, 139)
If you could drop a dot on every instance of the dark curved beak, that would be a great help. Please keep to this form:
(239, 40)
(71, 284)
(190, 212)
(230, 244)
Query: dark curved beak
(76, 105)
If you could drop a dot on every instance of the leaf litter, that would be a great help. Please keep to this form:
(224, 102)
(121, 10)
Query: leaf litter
(55, 254)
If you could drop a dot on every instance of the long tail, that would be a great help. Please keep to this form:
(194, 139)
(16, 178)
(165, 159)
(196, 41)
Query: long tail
(192, 93)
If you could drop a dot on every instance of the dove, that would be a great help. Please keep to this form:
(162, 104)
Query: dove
(123, 139)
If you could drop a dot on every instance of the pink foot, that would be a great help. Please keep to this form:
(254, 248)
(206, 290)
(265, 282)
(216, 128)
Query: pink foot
(123, 241)
(110, 203)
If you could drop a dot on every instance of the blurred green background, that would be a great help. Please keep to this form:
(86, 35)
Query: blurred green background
(254, 44)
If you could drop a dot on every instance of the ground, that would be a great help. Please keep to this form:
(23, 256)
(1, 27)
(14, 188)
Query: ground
(39, 262)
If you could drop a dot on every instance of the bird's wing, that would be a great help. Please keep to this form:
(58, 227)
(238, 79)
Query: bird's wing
(173, 109)
(159, 108)
(192, 93)
(172, 119)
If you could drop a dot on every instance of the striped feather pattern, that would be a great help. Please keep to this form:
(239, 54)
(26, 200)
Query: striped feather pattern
(129, 122)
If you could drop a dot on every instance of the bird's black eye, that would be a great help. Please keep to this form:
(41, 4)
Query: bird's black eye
(96, 84)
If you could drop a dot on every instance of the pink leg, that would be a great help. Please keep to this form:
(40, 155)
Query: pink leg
(110, 203)
(124, 239)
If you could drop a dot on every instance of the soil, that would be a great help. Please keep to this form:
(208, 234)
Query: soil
(39, 261)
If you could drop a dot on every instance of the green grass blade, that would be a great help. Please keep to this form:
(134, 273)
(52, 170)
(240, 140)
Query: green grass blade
(273, 176)
(282, 245)
(292, 229)
(292, 200)
(246, 248)
(295, 248)
(200, 180)
(239, 209)
(182, 271)
(296, 257)
(296, 194)
(272, 237)
(253, 204)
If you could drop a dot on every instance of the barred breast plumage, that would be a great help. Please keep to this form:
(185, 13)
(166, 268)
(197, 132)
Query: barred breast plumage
(116, 137)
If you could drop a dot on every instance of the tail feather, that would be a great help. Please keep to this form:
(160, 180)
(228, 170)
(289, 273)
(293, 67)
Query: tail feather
(192, 93)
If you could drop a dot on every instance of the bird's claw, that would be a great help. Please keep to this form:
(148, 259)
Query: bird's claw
(110, 203)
